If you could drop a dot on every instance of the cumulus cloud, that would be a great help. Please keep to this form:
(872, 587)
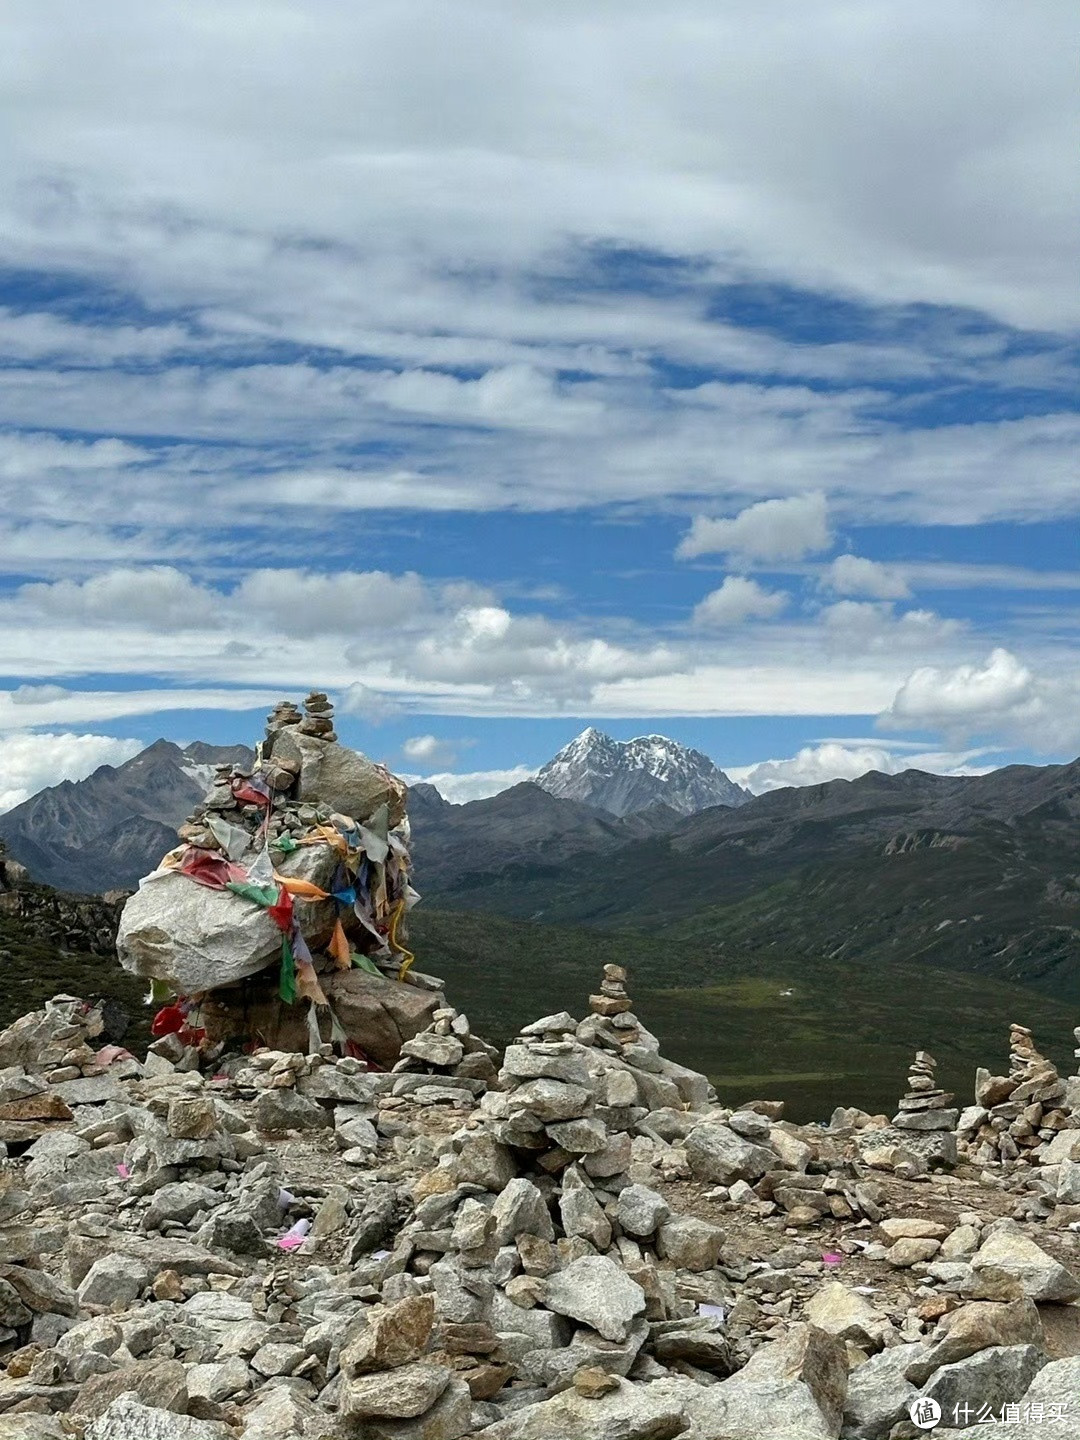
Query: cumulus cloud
(28, 762)
(854, 575)
(786, 529)
(459, 788)
(528, 656)
(837, 760)
(738, 599)
(875, 625)
(967, 697)
(153, 594)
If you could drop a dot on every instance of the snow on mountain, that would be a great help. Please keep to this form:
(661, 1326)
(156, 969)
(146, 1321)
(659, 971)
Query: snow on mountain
(623, 776)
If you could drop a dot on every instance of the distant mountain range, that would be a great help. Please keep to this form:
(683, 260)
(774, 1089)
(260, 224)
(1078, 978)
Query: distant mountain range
(980, 873)
(106, 831)
(624, 776)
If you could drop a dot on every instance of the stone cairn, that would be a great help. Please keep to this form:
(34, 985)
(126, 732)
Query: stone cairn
(318, 716)
(445, 1062)
(1016, 1116)
(922, 1130)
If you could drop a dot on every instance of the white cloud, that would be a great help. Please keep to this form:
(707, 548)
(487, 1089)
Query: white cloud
(88, 707)
(156, 594)
(786, 529)
(837, 760)
(874, 625)
(371, 705)
(738, 599)
(429, 750)
(37, 694)
(30, 762)
(967, 697)
(473, 785)
(854, 575)
(527, 656)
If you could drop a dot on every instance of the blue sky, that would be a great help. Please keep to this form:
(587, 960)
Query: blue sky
(678, 369)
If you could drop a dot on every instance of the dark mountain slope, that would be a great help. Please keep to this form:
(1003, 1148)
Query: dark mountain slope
(106, 831)
(979, 874)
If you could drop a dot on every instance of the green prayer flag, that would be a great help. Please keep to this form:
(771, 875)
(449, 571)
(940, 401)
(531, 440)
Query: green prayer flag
(362, 962)
(287, 980)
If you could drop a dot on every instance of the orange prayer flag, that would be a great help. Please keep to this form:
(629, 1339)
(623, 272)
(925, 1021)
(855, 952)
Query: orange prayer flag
(339, 948)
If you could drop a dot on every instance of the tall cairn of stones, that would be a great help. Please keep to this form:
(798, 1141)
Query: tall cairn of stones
(927, 1114)
(1016, 1115)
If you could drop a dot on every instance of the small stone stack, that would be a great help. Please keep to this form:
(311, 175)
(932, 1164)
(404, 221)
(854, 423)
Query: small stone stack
(445, 1063)
(1015, 1115)
(927, 1114)
(318, 716)
(613, 999)
(283, 714)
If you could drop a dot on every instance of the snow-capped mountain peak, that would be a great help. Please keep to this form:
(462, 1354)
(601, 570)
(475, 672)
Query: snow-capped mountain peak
(622, 776)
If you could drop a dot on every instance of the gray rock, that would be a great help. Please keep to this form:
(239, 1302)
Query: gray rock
(545, 1329)
(192, 937)
(114, 1281)
(444, 1050)
(719, 1156)
(790, 1387)
(640, 1210)
(218, 1381)
(582, 1215)
(550, 1100)
(13, 1313)
(992, 1377)
(483, 1161)
(332, 1084)
(628, 1412)
(699, 1340)
(128, 1419)
(879, 1392)
(161, 1382)
(520, 1209)
(280, 1413)
(1008, 1255)
(282, 1110)
(689, 1243)
(974, 1327)
(399, 1394)
(597, 1292)
(526, 1062)
(177, 1202)
(840, 1312)
(587, 1136)
(450, 1418)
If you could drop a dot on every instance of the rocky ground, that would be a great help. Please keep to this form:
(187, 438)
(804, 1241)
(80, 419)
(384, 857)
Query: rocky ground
(580, 1244)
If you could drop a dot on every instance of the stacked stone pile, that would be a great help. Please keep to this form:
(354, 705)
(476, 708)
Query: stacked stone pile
(1017, 1117)
(921, 1133)
(294, 1248)
(445, 1061)
(280, 918)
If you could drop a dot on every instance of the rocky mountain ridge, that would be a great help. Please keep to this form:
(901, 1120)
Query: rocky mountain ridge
(104, 832)
(624, 776)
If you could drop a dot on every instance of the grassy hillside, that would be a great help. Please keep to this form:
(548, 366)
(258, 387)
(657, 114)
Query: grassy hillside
(45, 954)
(816, 1031)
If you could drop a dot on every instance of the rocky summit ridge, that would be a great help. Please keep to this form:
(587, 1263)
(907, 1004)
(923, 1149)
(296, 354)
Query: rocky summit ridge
(624, 776)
